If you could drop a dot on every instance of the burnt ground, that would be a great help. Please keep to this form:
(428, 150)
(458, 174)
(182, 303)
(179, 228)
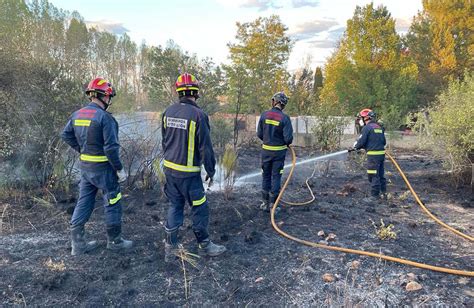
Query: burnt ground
(260, 268)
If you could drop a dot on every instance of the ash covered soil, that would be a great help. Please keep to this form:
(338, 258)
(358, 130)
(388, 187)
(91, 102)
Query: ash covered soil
(260, 267)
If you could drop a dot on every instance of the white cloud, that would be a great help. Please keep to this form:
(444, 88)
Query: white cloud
(402, 24)
(303, 3)
(322, 43)
(261, 5)
(310, 29)
(107, 25)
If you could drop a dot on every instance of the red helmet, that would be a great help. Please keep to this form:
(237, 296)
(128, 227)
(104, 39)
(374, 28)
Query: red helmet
(367, 114)
(187, 84)
(100, 86)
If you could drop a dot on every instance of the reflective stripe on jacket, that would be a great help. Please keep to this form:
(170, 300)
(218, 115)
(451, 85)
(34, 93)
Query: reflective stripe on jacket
(275, 130)
(93, 132)
(372, 139)
(186, 140)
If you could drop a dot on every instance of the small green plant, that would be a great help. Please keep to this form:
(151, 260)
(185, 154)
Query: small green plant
(404, 196)
(328, 132)
(160, 174)
(384, 232)
(229, 164)
(55, 266)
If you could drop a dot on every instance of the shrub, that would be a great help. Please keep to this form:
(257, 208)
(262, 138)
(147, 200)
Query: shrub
(448, 130)
(139, 149)
(36, 109)
(229, 163)
(328, 132)
(384, 232)
(160, 174)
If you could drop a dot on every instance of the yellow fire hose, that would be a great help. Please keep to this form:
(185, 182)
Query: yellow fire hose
(355, 251)
(470, 238)
(310, 190)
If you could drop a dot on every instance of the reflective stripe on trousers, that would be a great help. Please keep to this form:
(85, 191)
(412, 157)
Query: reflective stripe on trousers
(187, 190)
(91, 181)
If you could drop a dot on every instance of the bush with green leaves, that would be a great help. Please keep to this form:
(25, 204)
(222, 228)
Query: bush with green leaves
(328, 132)
(448, 129)
(221, 133)
(36, 109)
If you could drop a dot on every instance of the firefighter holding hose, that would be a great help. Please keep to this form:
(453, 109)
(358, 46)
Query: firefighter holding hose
(372, 139)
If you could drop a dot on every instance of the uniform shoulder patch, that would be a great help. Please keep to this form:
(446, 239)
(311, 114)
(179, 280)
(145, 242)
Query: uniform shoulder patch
(272, 115)
(177, 123)
(86, 113)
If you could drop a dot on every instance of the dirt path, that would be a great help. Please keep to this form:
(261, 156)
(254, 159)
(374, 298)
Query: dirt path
(260, 268)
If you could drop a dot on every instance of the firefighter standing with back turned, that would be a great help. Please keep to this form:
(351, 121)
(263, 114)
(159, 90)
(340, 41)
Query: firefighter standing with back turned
(93, 132)
(372, 139)
(186, 144)
(276, 132)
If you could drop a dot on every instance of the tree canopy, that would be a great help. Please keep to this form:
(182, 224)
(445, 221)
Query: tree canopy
(262, 49)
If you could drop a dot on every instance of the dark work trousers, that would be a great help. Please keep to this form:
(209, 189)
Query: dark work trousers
(273, 163)
(375, 172)
(91, 181)
(190, 190)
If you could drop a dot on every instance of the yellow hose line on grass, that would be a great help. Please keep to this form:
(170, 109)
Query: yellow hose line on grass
(353, 251)
(470, 238)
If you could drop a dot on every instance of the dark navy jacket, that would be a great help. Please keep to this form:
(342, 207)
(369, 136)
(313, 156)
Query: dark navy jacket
(186, 140)
(372, 139)
(93, 132)
(275, 130)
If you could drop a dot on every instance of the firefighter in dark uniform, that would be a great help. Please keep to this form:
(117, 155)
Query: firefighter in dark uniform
(93, 132)
(372, 139)
(187, 144)
(276, 132)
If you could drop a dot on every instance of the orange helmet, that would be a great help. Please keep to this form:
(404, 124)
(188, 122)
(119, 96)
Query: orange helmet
(367, 114)
(101, 86)
(187, 85)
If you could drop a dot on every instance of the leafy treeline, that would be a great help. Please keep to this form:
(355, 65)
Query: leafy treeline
(377, 68)
(373, 66)
(47, 55)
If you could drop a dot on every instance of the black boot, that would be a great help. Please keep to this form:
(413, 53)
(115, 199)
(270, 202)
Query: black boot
(265, 201)
(208, 248)
(171, 244)
(78, 243)
(273, 198)
(114, 239)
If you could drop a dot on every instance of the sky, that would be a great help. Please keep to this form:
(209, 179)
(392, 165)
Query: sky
(205, 27)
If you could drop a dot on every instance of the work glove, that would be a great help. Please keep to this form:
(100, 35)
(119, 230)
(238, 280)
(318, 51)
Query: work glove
(122, 175)
(211, 181)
